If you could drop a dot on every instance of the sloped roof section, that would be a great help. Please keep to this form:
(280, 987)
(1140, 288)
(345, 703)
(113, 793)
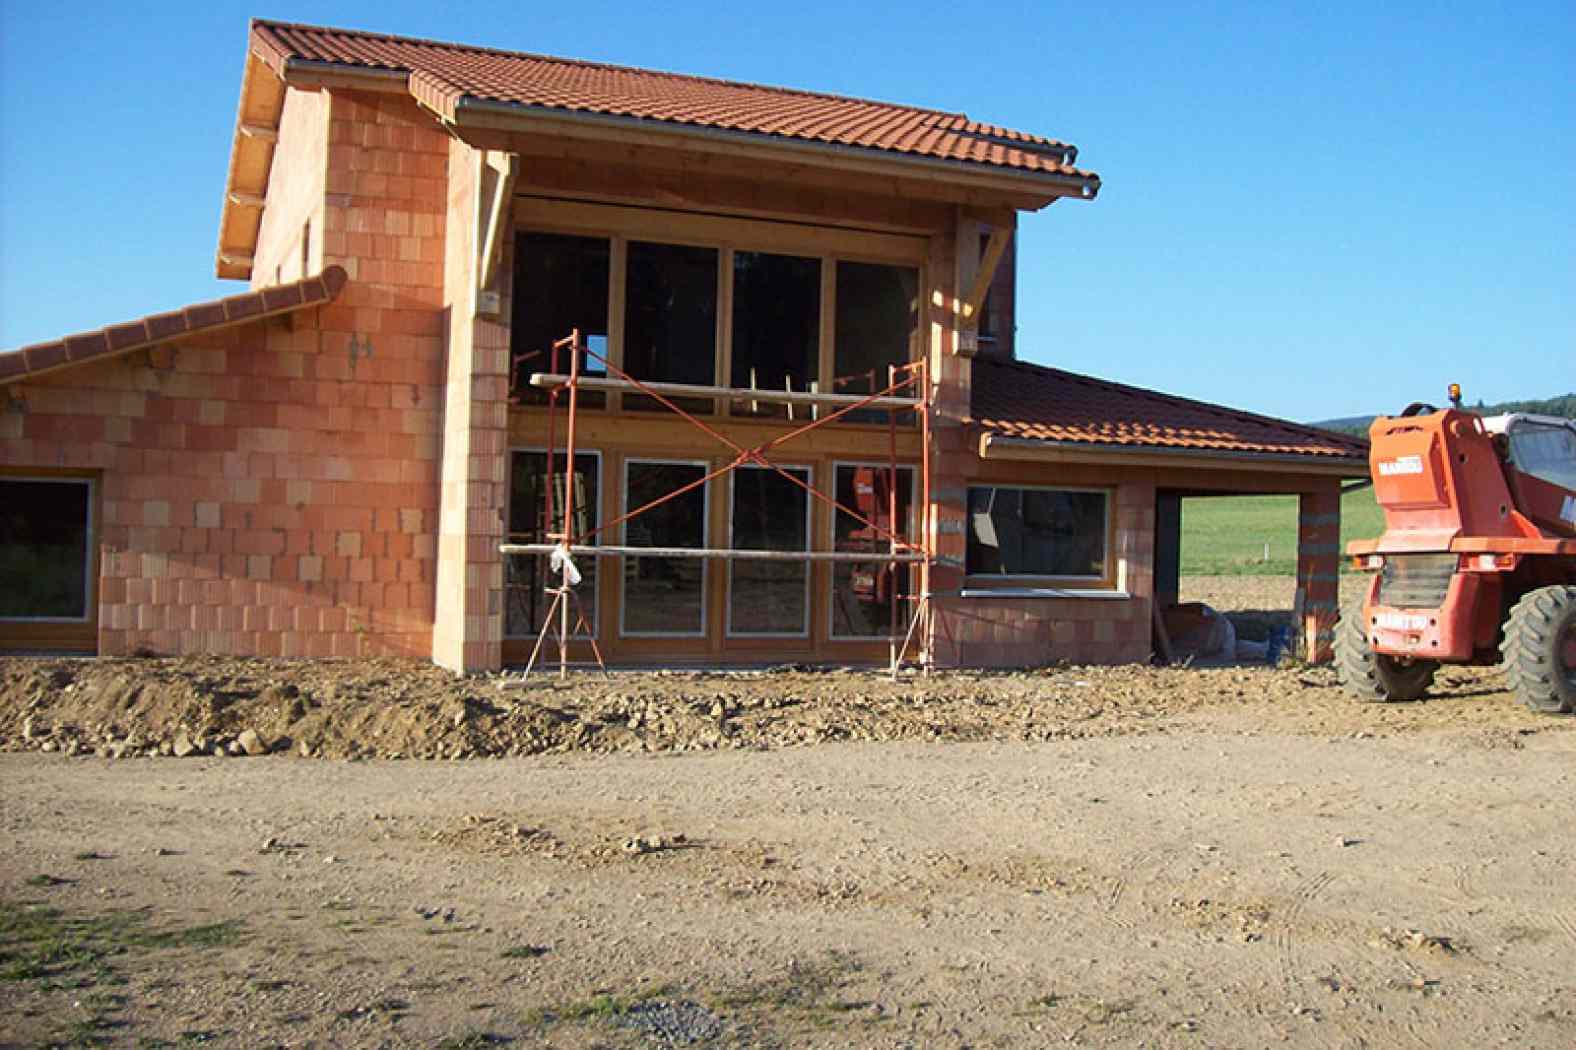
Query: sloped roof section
(1028, 402)
(103, 343)
(448, 76)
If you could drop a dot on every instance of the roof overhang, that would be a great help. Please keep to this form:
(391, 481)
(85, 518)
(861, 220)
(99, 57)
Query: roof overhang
(1036, 189)
(268, 75)
(1003, 447)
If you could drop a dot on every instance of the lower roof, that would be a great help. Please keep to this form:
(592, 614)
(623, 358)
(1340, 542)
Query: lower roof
(1027, 405)
(113, 340)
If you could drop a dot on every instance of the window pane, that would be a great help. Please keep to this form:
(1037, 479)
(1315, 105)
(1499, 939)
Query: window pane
(665, 595)
(769, 513)
(44, 549)
(1036, 532)
(1546, 452)
(670, 318)
(877, 314)
(526, 578)
(862, 591)
(560, 284)
(776, 324)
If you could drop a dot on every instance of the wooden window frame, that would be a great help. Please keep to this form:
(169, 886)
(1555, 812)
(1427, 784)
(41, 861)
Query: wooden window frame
(1105, 581)
(809, 538)
(705, 580)
(601, 483)
(831, 538)
(621, 224)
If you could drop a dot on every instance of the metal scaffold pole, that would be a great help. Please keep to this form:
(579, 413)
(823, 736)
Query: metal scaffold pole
(908, 389)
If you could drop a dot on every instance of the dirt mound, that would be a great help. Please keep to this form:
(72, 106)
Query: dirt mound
(390, 709)
(397, 709)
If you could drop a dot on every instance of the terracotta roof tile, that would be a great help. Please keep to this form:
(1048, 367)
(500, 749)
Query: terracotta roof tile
(157, 328)
(1019, 400)
(443, 74)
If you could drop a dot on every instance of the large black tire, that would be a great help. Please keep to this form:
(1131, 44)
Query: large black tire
(1376, 678)
(1540, 650)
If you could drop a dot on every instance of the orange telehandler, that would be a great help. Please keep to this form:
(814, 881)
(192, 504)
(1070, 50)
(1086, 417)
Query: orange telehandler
(1478, 558)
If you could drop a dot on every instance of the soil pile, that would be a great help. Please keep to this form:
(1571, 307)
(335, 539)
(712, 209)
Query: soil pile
(389, 709)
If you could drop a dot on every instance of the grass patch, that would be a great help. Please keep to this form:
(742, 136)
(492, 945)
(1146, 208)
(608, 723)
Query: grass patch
(603, 1006)
(523, 951)
(471, 1041)
(1227, 535)
(79, 954)
(813, 992)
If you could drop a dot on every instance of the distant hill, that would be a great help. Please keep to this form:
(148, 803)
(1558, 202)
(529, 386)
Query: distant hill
(1563, 406)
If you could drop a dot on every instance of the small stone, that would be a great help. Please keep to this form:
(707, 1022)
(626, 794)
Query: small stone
(252, 742)
(304, 749)
(183, 746)
(1344, 841)
(48, 745)
(270, 843)
(330, 859)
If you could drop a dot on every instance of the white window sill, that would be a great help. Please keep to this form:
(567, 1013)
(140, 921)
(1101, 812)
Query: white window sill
(1043, 592)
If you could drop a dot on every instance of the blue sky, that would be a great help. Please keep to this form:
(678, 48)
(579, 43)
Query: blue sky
(1304, 214)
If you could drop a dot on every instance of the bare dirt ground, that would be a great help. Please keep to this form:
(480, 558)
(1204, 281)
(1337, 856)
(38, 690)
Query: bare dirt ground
(1067, 857)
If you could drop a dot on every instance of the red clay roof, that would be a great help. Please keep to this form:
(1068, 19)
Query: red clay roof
(111, 341)
(1019, 400)
(444, 76)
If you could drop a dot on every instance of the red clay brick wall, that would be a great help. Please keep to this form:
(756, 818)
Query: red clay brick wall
(262, 492)
(274, 488)
(295, 192)
(469, 631)
(1318, 571)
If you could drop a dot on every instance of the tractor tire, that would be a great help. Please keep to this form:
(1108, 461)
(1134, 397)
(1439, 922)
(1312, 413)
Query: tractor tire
(1374, 677)
(1540, 650)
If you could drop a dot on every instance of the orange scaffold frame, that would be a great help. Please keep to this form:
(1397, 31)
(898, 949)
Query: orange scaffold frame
(567, 545)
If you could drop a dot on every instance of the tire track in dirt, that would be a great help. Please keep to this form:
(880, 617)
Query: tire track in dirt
(1285, 937)
(1144, 867)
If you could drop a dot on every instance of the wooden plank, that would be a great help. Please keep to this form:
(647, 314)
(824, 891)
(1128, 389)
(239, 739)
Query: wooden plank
(725, 553)
(679, 227)
(994, 250)
(494, 191)
(547, 380)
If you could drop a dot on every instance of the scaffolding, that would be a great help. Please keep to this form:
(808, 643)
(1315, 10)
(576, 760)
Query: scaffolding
(566, 544)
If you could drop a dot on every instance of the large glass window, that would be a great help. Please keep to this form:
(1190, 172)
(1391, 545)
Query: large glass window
(863, 592)
(670, 318)
(526, 579)
(877, 315)
(560, 284)
(770, 513)
(45, 548)
(664, 596)
(1037, 532)
(776, 325)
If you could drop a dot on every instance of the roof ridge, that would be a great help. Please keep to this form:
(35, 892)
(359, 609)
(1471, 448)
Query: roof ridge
(1223, 411)
(264, 23)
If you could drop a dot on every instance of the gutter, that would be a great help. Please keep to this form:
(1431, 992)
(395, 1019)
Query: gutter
(999, 447)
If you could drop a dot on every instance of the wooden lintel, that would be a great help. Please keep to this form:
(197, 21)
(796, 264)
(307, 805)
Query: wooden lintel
(260, 132)
(494, 194)
(994, 250)
(247, 200)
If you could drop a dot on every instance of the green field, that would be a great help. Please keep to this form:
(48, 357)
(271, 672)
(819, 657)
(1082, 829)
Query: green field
(1227, 535)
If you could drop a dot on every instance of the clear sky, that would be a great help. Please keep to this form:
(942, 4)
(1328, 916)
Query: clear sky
(1304, 214)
